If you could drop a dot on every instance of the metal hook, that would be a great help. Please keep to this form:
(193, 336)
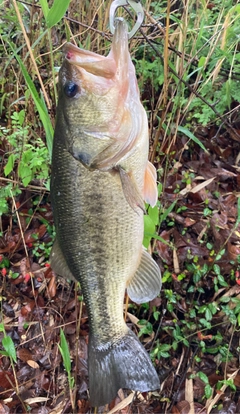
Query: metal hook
(136, 6)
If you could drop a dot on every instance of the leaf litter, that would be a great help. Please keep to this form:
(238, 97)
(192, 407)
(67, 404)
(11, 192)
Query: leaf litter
(36, 304)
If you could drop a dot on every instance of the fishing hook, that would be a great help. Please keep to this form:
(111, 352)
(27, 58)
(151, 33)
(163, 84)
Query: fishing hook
(136, 6)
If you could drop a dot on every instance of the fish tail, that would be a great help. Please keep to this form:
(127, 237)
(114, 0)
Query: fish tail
(124, 364)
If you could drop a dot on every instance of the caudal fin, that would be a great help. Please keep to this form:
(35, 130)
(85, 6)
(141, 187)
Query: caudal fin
(124, 364)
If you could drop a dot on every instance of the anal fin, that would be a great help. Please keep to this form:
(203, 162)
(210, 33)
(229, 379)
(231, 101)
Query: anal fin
(58, 262)
(146, 283)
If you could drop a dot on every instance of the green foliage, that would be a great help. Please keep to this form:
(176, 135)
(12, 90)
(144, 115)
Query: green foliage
(160, 351)
(190, 135)
(150, 222)
(8, 345)
(32, 159)
(6, 193)
(63, 348)
(55, 13)
(39, 102)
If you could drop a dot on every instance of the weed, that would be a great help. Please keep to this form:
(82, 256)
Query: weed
(9, 351)
(64, 350)
(32, 159)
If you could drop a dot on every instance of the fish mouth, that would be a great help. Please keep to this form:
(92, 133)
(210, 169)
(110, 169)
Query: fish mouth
(89, 61)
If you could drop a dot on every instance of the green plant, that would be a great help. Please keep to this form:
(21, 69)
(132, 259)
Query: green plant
(160, 351)
(64, 350)
(207, 389)
(9, 351)
(32, 158)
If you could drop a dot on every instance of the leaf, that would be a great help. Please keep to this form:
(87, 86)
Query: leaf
(24, 354)
(208, 391)
(45, 8)
(35, 400)
(165, 347)
(57, 12)
(64, 349)
(9, 347)
(190, 135)
(25, 174)
(154, 214)
(167, 211)
(10, 164)
(202, 185)
(203, 377)
(41, 107)
(124, 403)
(33, 364)
(149, 230)
(208, 315)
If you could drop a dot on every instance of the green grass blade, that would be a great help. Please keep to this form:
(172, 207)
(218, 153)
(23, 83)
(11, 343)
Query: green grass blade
(64, 349)
(38, 102)
(164, 215)
(190, 135)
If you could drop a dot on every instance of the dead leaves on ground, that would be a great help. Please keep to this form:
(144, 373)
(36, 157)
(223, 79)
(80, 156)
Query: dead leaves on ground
(35, 304)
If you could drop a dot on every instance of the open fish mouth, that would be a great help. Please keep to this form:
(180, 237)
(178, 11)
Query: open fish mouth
(90, 61)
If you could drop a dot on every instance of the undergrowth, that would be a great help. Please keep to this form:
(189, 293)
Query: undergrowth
(187, 61)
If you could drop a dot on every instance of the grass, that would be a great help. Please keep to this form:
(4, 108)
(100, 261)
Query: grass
(188, 67)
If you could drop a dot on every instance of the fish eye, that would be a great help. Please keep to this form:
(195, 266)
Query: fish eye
(71, 89)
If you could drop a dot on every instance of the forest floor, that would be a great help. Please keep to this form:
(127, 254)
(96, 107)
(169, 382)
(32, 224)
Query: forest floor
(191, 329)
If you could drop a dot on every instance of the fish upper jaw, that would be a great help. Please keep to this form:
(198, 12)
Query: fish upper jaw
(92, 62)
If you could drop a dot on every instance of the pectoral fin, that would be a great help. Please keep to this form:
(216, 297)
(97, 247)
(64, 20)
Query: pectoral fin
(150, 190)
(58, 262)
(130, 190)
(146, 283)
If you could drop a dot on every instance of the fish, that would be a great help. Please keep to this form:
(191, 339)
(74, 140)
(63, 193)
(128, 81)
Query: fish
(100, 181)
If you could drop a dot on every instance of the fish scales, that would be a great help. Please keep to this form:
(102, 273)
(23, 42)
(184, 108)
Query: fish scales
(95, 222)
(98, 179)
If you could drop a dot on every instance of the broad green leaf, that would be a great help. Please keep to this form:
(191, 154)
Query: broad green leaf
(57, 12)
(222, 281)
(149, 230)
(153, 212)
(203, 377)
(45, 8)
(208, 391)
(165, 347)
(25, 174)
(190, 135)
(9, 166)
(208, 314)
(216, 269)
(9, 347)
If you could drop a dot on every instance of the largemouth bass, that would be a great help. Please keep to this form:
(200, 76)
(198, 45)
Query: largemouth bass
(100, 177)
